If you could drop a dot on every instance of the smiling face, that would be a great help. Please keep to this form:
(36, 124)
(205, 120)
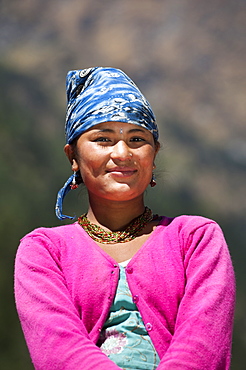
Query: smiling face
(115, 160)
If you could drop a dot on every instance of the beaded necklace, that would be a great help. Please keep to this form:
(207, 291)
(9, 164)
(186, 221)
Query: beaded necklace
(98, 234)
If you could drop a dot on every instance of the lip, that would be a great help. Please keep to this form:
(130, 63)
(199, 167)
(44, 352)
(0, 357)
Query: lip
(122, 171)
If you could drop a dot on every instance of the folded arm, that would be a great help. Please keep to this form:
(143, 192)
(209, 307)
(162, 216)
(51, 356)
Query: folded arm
(203, 330)
(54, 332)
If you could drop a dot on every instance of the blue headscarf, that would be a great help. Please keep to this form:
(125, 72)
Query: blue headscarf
(97, 95)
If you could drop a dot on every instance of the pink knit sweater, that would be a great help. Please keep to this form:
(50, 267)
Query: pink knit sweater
(182, 281)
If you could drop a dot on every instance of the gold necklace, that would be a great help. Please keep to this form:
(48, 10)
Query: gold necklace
(100, 235)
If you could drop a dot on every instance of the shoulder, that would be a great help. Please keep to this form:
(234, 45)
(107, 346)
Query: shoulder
(52, 238)
(192, 230)
(189, 223)
(51, 232)
(60, 243)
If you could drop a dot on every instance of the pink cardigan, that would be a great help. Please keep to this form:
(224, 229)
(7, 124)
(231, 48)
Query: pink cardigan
(182, 281)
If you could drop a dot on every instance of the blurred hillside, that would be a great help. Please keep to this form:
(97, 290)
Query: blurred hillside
(189, 60)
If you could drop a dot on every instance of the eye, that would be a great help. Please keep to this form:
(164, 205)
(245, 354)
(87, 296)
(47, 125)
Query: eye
(102, 139)
(137, 139)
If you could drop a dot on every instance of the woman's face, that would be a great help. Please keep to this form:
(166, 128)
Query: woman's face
(115, 160)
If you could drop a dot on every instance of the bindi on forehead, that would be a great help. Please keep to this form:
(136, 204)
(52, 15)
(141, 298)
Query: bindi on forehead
(129, 129)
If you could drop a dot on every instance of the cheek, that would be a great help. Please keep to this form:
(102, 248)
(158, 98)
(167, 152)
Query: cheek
(88, 168)
(148, 170)
(90, 165)
(147, 161)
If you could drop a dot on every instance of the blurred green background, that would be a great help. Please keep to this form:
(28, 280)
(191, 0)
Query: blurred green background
(188, 58)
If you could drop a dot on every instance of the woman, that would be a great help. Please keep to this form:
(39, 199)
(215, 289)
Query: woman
(121, 287)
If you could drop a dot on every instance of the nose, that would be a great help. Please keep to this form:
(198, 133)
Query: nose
(121, 151)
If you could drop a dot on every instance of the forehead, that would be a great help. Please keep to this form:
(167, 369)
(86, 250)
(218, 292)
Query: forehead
(119, 127)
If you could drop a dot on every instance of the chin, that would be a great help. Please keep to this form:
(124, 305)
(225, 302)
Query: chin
(123, 196)
(118, 191)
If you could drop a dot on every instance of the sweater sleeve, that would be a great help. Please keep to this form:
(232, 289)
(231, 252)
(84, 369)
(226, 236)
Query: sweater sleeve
(54, 332)
(203, 331)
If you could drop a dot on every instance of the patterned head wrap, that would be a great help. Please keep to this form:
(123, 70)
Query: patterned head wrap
(97, 95)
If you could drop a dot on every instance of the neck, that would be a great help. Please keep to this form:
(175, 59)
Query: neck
(114, 215)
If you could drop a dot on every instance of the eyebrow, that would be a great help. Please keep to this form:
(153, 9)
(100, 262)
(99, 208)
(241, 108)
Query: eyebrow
(130, 131)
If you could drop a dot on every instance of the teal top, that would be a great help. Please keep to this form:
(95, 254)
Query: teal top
(124, 338)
